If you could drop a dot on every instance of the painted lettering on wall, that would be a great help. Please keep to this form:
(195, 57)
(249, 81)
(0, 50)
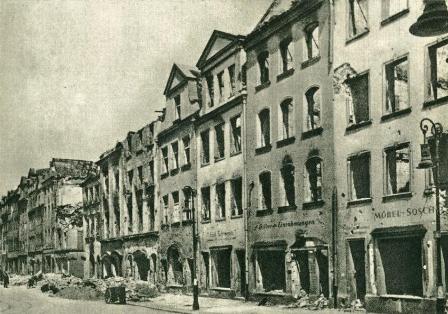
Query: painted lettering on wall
(409, 212)
(222, 235)
(282, 224)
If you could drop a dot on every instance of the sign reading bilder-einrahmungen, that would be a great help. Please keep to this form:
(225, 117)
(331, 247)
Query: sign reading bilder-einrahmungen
(284, 224)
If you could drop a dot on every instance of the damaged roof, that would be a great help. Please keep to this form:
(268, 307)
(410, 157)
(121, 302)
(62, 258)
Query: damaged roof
(277, 8)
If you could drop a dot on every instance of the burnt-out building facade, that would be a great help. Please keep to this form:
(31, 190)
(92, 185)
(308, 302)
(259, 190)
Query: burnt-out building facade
(129, 224)
(289, 151)
(384, 87)
(220, 165)
(177, 172)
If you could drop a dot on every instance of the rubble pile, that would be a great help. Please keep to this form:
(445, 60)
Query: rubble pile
(304, 301)
(19, 280)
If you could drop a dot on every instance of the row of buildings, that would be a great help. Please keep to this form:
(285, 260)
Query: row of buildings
(295, 145)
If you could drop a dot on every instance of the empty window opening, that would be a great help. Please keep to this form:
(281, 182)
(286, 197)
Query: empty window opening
(237, 196)
(357, 268)
(165, 209)
(116, 205)
(221, 267)
(265, 190)
(176, 208)
(219, 142)
(286, 108)
(263, 64)
(398, 175)
(206, 260)
(175, 267)
(313, 108)
(210, 90)
(403, 269)
(139, 200)
(359, 176)
(186, 212)
(151, 171)
(397, 89)
(205, 198)
(117, 181)
(130, 211)
(358, 99)
(143, 265)
(301, 259)
(221, 86)
(286, 54)
(235, 124)
(186, 144)
(288, 184)
(438, 57)
(175, 150)
(231, 70)
(322, 265)
(178, 107)
(130, 177)
(205, 149)
(140, 174)
(313, 180)
(165, 159)
(270, 274)
(221, 200)
(264, 126)
(312, 41)
(358, 21)
(392, 7)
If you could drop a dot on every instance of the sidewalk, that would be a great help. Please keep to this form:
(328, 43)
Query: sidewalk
(182, 304)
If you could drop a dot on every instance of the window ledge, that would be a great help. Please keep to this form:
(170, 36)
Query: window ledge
(312, 133)
(435, 102)
(186, 167)
(286, 141)
(394, 17)
(187, 222)
(175, 224)
(175, 171)
(313, 205)
(235, 153)
(263, 212)
(221, 289)
(262, 86)
(357, 36)
(205, 164)
(285, 74)
(205, 221)
(310, 62)
(236, 216)
(285, 209)
(219, 159)
(220, 219)
(164, 175)
(396, 114)
(358, 126)
(398, 196)
(262, 150)
(359, 201)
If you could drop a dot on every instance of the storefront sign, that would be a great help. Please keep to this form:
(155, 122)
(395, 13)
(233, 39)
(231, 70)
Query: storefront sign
(409, 212)
(282, 224)
(221, 235)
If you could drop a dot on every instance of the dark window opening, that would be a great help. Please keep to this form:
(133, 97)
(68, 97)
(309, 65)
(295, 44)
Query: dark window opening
(235, 124)
(438, 56)
(176, 208)
(205, 197)
(265, 190)
(165, 159)
(272, 270)
(139, 199)
(186, 212)
(313, 108)
(117, 181)
(358, 101)
(206, 260)
(312, 41)
(313, 180)
(398, 174)
(130, 213)
(140, 174)
(221, 86)
(221, 200)
(186, 143)
(286, 123)
(264, 128)
(165, 209)
(130, 176)
(151, 171)
(397, 90)
(357, 265)
(289, 193)
(205, 152)
(286, 54)
(219, 142)
(178, 106)
(210, 89)
(237, 197)
(175, 149)
(263, 63)
(175, 265)
(231, 70)
(359, 176)
(358, 22)
(221, 267)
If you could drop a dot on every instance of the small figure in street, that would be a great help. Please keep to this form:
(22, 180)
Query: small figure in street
(5, 279)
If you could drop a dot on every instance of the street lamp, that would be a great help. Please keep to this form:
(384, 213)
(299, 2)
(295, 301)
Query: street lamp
(433, 21)
(427, 162)
(192, 193)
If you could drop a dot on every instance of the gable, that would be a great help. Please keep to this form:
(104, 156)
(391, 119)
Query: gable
(219, 44)
(179, 74)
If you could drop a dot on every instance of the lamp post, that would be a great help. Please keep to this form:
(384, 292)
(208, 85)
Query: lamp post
(192, 193)
(427, 162)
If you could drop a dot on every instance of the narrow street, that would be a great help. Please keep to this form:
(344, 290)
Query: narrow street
(21, 300)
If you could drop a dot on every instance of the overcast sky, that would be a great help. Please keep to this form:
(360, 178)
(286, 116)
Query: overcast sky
(77, 75)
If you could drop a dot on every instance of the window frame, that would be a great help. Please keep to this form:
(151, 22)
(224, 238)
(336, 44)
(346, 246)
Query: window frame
(233, 126)
(236, 209)
(175, 155)
(165, 159)
(393, 63)
(289, 129)
(350, 34)
(387, 16)
(317, 89)
(260, 191)
(207, 204)
(309, 33)
(350, 158)
(185, 148)
(430, 94)
(177, 106)
(263, 72)
(286, 45)
(395, 147)
(350, 99)
(217, 151)
(205, 158)
(220, 201)
(261, 139)
(307, 183)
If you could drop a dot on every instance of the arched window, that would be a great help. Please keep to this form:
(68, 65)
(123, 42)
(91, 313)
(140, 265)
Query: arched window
(263, 64)
(288, 182)
(286, 109)
(313, 180)
(312, 114)
(264, 128)
(312, 41)
(286, 54)
(265, 190)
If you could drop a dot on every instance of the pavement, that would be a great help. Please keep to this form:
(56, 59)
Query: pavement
(20, 300)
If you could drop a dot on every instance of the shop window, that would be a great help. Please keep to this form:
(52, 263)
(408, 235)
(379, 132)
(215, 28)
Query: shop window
(221, 267)
(165, 162)
(205, 198)
(231, 70)
(219, 142)
(403, 269)
(221, 86)
(263, 64)
(175, 156)
(178, 106)
(205, 149)
(286, 54)
(237, 197)
(313, 115)
(264, 128)
(221, 200)
(312, 41)
(313, 180)
(358, 99)
(393, 7)
(286, 108)
(271, 274)
(438, 81)
(176, 208)
(186, 144)
(357, 17)
(288, 184)
(398, 169)
(397, 87)
(210, 90)
(265, 191)
(359, 176)
(165, 209)
(235, 124)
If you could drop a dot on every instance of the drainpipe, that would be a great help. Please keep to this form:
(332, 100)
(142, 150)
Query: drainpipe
(334, 234)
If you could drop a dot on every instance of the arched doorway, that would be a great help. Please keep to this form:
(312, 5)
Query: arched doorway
(143, 265)
(107, 266)
(117, 262)
(175, 267)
